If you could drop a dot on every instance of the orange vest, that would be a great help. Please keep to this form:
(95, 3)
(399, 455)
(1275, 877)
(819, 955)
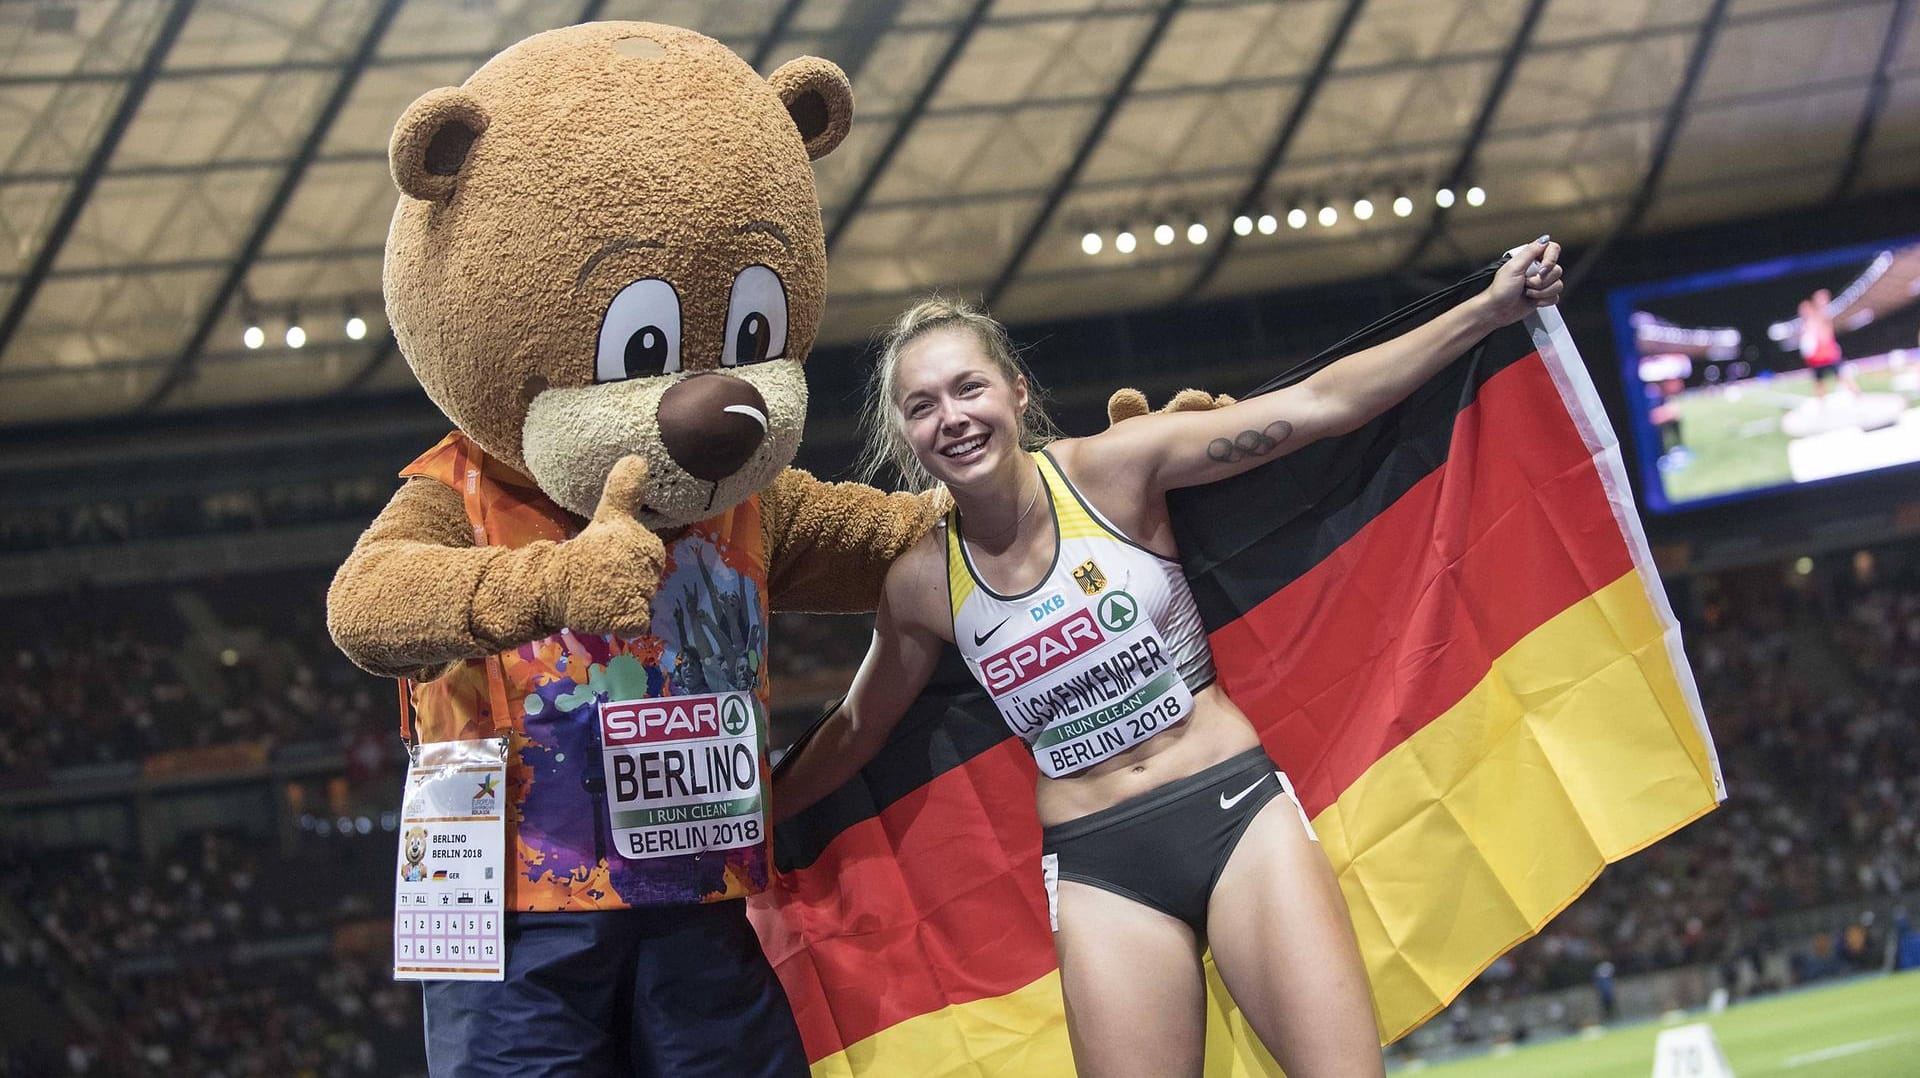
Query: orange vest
(708, 635)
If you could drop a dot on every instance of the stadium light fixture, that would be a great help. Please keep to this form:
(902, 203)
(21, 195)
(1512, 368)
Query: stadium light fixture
(1329, 216)
(254, 336)
(1297, 217)
(1243, 225)
(1363, 208)
(356, 325)
(1443, 197)
(1196, 233)
(1124, 241)
(1163, 234)
(296, 333)
(1267, 224)
(1476, 195)
(1090, 243)
(1402, 206)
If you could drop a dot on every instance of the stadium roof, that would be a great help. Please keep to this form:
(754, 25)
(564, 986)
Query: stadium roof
(176, 168)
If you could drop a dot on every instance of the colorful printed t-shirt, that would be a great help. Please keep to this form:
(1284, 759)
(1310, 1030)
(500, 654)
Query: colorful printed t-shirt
(708, 639)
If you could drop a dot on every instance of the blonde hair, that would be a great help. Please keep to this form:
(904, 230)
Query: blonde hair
(883, 429)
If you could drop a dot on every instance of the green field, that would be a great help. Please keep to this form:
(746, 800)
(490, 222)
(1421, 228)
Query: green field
(1736, 441)
(1861, 1029)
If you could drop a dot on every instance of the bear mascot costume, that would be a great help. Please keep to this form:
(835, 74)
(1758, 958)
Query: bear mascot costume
(607, 268)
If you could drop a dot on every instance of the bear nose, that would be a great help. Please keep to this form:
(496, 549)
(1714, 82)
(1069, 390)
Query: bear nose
(710, 424)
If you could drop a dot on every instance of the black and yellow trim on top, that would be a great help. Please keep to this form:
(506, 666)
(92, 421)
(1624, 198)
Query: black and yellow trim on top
(1071, 520)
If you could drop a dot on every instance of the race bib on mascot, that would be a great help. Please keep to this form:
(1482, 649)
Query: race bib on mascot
(683, 774)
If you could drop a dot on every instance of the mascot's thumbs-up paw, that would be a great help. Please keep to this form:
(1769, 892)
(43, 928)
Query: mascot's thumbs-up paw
(1128, 402)
(604, 579)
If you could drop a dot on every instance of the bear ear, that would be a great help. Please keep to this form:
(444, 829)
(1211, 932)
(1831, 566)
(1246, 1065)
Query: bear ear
(820, 100)
(431, 142)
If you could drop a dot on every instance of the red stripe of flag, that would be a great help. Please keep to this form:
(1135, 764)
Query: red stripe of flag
(957, 863)
(1532, 533)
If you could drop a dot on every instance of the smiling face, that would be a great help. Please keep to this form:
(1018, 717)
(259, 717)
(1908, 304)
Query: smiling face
(626, 259)
(959, 412)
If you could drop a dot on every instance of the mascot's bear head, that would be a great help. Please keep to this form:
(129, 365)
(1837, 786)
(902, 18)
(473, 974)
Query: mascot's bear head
(611, 245)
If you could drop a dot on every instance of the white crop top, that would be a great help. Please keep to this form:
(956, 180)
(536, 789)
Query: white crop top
(1104, 652)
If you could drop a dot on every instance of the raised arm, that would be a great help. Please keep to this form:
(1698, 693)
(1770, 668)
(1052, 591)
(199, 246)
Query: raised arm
(1182, 449)
(899, 662)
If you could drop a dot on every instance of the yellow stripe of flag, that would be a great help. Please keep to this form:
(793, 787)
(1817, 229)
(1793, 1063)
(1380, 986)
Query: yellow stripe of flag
(1576, 749)
(1022, 1032)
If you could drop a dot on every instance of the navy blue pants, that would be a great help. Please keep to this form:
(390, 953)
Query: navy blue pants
(670, 991)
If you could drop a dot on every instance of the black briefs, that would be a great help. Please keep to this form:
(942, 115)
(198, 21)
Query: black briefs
(1166, 848)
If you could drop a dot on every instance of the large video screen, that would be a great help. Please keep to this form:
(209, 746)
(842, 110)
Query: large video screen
(1774, 374)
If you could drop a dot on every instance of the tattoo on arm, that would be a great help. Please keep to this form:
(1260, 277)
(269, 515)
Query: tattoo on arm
(1250, 443)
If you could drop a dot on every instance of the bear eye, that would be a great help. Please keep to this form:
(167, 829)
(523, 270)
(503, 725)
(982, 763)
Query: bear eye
(640, 334)
(756, 318)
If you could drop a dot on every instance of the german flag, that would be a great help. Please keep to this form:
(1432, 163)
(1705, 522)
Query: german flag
(1448, 629)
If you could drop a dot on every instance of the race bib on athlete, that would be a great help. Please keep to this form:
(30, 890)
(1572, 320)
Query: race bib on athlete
(449, 904)
(1095, 680)
(683, 773)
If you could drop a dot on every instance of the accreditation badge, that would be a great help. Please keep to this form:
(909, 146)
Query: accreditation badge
(449, 902)
(683, 773)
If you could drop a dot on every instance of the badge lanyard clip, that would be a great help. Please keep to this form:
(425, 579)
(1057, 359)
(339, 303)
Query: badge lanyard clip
(409, 737)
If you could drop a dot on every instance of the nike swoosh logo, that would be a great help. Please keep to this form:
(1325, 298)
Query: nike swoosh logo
(1228, 802)
(980, 639)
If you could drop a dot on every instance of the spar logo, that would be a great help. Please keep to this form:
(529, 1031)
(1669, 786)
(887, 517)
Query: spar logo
(672, 718)
(1118, 611)
(733, 716)
(1041, 652)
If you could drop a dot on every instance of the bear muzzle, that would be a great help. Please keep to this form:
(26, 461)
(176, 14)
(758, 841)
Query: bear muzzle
(711, 424)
